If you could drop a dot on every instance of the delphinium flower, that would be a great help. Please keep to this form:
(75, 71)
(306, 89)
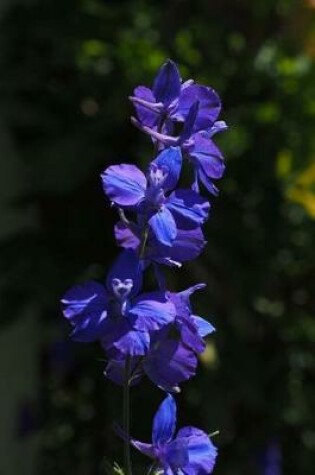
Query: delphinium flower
(187, 245)
(193, 106)
(177, 343)
(193, 328)
(172, 356)
(167, 363)
(114, 313)
(128, 188)
(169, 101)
(190, 452)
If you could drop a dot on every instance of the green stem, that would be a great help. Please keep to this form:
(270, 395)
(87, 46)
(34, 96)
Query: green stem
(135, 369)
(152, 469)
(126, 412)
(144, 242)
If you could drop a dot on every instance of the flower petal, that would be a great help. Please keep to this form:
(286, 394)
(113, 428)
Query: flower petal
(85, 306)
(207, 182)
(146, 449)
(176, 454)
(200, 450)
(218, 126)
(164, 227)
(169, 363)
(124, 185)
(189, 123)
(209, 105)
(153, 311)
(188, 208)
(125, 237)
(121, 340)
(171, 159)
(182, 299)
(146, 115)
(203, 326)
(187, 245)
(164, 422)
(206, 154)
(167, 84)
(185, 321)
(189, 334)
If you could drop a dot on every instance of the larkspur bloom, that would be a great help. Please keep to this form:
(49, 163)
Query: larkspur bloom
(170, 100)
(190, 452)
(167, 363)
(114, 313)
(193, 328)
(172, 356)
(198, 147)
(196, 108)
(206, 157)
(187, 245)
(163, 213)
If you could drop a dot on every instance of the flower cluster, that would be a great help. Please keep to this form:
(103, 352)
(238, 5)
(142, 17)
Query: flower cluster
(156, 333)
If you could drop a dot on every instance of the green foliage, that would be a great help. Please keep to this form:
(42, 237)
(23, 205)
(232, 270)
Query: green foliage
(112, 470)
(67, 69)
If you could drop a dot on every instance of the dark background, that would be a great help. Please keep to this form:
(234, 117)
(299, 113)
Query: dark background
(66, 70)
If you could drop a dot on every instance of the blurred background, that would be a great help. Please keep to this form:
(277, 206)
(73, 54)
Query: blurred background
(66, 70)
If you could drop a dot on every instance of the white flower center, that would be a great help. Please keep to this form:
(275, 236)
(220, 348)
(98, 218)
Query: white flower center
(157, 176)
(122, 288)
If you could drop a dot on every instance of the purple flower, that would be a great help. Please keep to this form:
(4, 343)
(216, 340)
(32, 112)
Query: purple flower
(197, 147)
(171, 358)
(152, 104)
(114, 313)
(170, 100)
(192, 328)
(128, 188)
(167, 363)
(187, 245)
(206, 158)
(194, 106)
(191, 452)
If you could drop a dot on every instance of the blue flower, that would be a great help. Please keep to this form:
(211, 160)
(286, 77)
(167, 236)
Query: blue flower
(193, 329)
(152, 104)
(167, 363)
(205, 157)
(128, 188)
(172, 356)
(188, 244)
(198, 147)
(170, 100)
(114, 313)
(191, 452)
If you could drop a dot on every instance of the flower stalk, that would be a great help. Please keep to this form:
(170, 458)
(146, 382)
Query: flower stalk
(126, 417)
(156, 333)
